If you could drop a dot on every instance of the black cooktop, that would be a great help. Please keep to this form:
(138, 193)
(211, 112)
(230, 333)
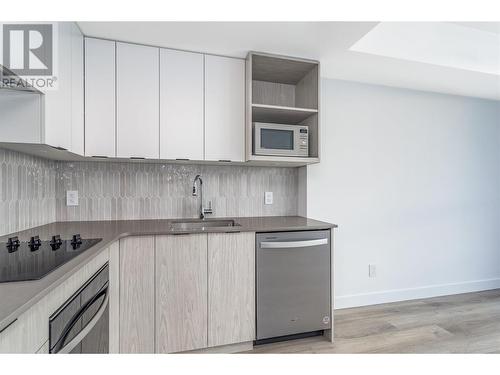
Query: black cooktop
(34, 259)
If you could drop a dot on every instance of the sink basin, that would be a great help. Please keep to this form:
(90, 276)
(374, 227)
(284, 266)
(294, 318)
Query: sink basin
(197, 224)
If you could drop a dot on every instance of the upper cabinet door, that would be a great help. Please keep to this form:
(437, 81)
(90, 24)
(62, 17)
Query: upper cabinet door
(224, 108)
(77, 116)
(181, 105)
(57, 110)
(100, 124)
(137, 101)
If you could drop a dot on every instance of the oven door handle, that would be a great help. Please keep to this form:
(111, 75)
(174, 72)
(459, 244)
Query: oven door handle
(293, 244)
(60, 348)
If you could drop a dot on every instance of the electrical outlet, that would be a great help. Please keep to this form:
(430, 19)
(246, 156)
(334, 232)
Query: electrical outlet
(372, 270)
(72, 198)
(268, 197)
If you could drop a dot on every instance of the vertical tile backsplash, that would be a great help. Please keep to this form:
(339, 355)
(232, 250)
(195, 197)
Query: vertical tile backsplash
(33, 190)
(27, 191)
(116, 191)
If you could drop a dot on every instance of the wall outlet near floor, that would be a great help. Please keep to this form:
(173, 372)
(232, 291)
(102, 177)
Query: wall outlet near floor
(268, 197)
(372, 270)
(72, 198)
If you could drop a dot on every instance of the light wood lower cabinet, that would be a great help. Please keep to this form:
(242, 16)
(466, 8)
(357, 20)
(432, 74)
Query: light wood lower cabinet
(114, 298)
(137, 295)
(231, 288)
(181, 293)
(186, 292)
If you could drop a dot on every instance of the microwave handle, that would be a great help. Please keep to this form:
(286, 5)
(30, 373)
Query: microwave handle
(81, 335)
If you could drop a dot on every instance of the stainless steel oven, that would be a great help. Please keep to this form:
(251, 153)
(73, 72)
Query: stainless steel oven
(81, 324)
(280, 139)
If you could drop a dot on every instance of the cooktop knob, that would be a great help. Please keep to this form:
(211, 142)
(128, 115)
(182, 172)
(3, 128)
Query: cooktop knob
(55, 242)
(34, 243)
(76, 241)
(13, 244)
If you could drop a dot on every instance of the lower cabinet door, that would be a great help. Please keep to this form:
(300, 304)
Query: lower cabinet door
(137, 283)
(181, 293)
(231, 288)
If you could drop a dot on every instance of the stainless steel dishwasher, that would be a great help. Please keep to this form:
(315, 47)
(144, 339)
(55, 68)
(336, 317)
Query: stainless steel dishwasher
(293, 284)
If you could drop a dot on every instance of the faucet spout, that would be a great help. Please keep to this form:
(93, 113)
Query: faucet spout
(198, 191)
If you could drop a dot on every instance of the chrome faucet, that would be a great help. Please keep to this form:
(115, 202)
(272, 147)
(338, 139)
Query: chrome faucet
(202, 211)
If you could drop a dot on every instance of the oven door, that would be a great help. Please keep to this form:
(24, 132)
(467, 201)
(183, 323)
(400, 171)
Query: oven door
(81, 324)
(277, 139)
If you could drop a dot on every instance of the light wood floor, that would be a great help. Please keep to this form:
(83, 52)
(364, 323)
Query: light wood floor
(465, 323)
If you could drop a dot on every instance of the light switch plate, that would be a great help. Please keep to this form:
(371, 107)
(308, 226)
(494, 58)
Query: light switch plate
(268, 197)
(72, 198)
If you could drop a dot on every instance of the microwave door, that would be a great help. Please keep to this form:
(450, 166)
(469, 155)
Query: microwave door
(277, 140)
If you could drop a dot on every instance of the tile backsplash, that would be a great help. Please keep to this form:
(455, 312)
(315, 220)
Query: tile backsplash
(33, 190)
(27, 191)
(115, 191)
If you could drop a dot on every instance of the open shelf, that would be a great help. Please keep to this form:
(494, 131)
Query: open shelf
(280, 114)
(282, 90)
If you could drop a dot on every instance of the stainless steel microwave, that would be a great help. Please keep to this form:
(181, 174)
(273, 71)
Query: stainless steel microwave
(280, 139)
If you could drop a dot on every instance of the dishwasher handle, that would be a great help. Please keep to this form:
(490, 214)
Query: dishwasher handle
(293, 244)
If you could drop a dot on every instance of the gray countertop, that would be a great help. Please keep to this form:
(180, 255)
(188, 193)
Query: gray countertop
(17, 297)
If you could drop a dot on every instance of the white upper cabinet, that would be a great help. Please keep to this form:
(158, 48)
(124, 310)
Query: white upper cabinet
(55, 118)
(224, 108)
(57, 121)
(63, 121)
(77, 95)
(137, 101)
(100, 124)
(181, 105)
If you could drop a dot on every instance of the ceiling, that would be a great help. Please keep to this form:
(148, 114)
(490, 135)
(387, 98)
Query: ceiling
(461, 58)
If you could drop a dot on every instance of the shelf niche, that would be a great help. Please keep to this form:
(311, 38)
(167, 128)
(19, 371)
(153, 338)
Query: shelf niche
(283, 90)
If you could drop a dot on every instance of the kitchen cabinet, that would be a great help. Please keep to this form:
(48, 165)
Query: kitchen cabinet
(137, 101)
(231, 288)
(283, 90)
(224, 108)
(181, 105)
(181, 293)
(137, 294)
(114, 298)
(56, 117)
(100, 104)
(77, 92)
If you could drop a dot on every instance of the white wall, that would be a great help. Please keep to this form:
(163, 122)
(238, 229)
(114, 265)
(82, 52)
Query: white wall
(413, 180)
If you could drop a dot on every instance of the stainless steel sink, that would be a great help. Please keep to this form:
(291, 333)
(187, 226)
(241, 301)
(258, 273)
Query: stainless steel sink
(197, 224)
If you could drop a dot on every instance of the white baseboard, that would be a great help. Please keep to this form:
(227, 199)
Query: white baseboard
(395, 295)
